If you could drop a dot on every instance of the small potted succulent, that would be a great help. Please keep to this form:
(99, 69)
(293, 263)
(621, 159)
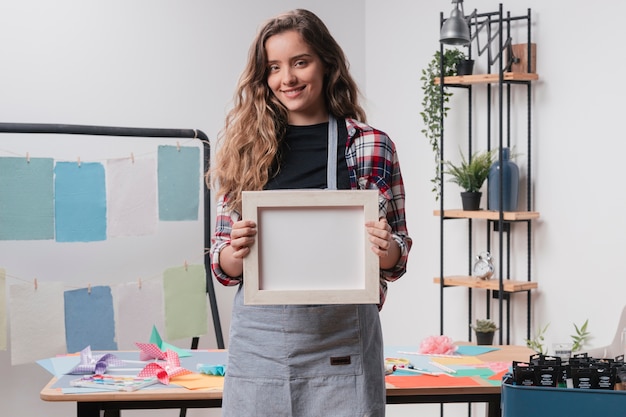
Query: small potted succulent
(484, 329)
(470, 176)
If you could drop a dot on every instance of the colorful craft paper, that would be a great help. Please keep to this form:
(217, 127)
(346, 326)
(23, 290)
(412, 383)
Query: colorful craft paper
(430, 381)
(139, 305)
(89, 319)
(37, 321)
(131, 197)
(474, 350)
(165, 371)
(98, 364)
(157, 348)
(195, 381)
(79, 202)
(186, 313)
(3, 310)
(179, 181)
(26, 199)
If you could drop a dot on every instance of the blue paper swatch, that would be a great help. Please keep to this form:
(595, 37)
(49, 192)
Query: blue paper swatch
(80, 202)
(26, 199)
(179, 183)
(89, 319)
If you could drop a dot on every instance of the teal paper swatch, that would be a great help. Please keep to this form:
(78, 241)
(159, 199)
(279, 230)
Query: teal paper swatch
(80, 202)
(26, 199)
(179, 183)
(89, 319)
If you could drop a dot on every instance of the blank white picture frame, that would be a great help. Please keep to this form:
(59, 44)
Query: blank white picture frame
(311, 247)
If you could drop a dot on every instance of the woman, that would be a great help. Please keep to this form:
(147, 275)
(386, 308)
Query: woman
(295, 100)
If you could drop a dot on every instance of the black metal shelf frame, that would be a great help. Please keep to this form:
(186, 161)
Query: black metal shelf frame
(502, 227)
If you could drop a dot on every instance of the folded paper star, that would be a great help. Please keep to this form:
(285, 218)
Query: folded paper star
(165, 371)
(157, 347)
(90, 364)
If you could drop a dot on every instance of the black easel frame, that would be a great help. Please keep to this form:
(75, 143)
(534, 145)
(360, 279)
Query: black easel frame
(43, 128)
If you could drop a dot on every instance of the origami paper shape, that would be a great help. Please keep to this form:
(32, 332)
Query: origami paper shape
(217, 370)
(90, 363)
(157, 347)
(165, 371)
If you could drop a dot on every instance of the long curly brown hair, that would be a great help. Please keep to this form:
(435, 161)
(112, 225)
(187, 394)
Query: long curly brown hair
(248, 144)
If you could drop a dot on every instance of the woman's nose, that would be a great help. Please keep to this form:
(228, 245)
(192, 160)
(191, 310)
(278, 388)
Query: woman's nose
(289, 77)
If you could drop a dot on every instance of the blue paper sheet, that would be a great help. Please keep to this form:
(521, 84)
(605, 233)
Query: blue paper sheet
(26, 199)
(80, 202)
(179, 183)
(89, 319)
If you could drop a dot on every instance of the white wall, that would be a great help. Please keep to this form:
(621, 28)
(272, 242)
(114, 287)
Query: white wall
(174, 64)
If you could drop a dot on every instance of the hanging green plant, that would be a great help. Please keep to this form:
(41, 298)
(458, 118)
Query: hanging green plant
(432, 114)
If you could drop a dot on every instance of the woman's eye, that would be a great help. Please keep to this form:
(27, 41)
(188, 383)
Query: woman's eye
(300, 63)
(273, 68)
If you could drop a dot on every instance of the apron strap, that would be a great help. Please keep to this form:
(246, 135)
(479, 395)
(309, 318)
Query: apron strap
(331, 168)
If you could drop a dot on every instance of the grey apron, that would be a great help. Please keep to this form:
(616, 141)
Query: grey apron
(305, 360)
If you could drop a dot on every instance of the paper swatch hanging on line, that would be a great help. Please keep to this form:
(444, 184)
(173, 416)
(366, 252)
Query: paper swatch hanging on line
(185, 301)
(80, 202)
(131, 197)
(89, 319)
(179, 183)
(138, 307)
(3, 310)
(26, 199)
(37, 321)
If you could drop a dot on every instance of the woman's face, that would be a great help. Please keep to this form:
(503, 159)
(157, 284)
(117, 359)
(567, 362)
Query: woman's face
(296, 77)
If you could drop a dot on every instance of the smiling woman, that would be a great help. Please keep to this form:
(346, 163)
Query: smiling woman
(296, 77)
(297, 123)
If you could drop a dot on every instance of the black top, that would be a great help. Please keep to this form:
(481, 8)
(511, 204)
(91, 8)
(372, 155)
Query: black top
(303, 156)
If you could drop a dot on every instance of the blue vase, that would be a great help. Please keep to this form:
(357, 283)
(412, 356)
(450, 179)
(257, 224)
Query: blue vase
(510, 182)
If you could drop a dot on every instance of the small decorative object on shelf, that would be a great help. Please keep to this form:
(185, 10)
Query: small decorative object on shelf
(470, 176)
(485, 330)
(510, 183)
(483, 267)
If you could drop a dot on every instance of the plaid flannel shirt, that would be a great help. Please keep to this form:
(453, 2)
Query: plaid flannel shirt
(373, 164)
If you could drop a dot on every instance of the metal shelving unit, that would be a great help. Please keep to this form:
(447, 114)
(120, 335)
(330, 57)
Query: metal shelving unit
(497, 223)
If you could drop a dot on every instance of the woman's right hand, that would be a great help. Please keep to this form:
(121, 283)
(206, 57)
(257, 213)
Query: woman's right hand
(242, 236)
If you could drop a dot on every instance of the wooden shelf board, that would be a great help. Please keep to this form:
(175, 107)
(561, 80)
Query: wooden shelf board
(487, 78)
(511, 216)
(509, 285)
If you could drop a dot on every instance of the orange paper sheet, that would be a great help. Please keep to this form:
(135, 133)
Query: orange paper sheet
(199, 381)
(429, 381)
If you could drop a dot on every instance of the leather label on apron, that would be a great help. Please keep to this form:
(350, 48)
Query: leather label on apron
(340, 360)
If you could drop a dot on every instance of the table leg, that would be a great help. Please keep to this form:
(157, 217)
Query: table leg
(94, 409)
(88, 409)
(493, 408)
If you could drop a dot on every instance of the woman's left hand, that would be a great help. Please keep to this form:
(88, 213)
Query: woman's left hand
(383, 244)
(380, 236)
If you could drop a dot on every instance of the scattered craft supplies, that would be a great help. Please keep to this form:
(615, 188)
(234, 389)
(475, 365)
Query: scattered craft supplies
(580, 371)
(114, 382)
(98, 364)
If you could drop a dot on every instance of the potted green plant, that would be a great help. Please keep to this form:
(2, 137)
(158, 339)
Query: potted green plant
(484, 329)
(432, 112)
(470, 175)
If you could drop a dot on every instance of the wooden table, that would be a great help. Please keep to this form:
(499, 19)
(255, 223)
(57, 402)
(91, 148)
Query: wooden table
(109, 404)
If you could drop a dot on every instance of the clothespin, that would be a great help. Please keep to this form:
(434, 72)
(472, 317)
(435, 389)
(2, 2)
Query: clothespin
(78, 161)
(132, 157)
(89, 289)
(27, 158)
(139, 282)
(178, 146)
(186, 266)
(35, 282)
